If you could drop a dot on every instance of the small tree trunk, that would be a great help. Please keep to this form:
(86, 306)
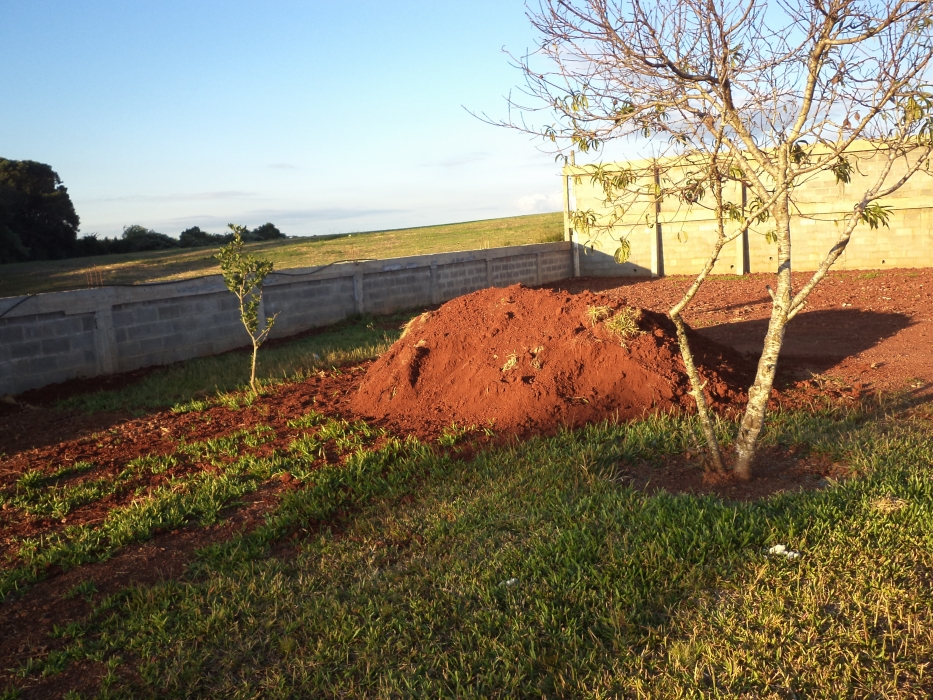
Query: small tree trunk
(706, 423)
(252, 374)
(760, 391)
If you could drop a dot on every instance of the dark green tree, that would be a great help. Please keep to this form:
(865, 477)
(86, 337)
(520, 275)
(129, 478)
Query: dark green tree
(11, 246)
(266, 232)
(139, 238)
(37, 219)
(194, 237)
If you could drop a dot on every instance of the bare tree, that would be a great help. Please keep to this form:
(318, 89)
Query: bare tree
(729, 97)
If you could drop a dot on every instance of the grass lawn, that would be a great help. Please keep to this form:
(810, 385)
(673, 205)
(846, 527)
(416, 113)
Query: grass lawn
(160, 266)
(530, 569)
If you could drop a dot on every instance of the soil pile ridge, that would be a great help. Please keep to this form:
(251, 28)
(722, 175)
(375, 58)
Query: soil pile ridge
(530, 360)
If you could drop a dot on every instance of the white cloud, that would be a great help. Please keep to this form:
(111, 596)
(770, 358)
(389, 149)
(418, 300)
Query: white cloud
(192, 197)
(538, 202)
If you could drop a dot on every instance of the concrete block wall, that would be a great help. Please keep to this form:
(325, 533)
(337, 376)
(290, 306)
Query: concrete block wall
(308, 303)
(457, 279)
(163, 331)
(686, 233)
(49, 338)
(387, 291)
(53, 345)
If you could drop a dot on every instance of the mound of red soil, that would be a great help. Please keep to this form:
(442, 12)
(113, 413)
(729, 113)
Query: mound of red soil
(530, 360)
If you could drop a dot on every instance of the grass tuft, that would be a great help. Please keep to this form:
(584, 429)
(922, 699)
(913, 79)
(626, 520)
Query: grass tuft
(596, 314)
(511, 362)
(624, 325)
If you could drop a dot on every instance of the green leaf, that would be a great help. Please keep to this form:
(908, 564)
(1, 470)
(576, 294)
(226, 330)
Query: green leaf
(842, 169)
(693, 191)
(875, 215)
(583, 221)
(799, 154)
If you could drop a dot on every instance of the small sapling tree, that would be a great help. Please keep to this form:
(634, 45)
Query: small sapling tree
(244, 276)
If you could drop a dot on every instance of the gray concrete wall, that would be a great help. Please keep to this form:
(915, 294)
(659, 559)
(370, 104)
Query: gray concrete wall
(49, 338)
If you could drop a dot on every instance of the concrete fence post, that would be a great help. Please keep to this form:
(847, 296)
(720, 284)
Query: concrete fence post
(741, 254)
(741, 243)
(488, 271)
(575, 252)
(657, 254)
(358, 293)
(537, 269)
(657, 240)
(566, 189)
(105, 341)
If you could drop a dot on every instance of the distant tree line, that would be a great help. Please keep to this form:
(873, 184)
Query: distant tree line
(39, 222)
(139, 238)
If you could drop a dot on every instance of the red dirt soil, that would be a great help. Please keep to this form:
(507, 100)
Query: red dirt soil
(531, 360)
(868, 327)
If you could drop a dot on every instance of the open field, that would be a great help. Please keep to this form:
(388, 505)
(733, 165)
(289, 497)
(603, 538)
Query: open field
(189, 539)
(160, 266)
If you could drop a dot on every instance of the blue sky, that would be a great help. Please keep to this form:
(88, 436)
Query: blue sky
(322, 117)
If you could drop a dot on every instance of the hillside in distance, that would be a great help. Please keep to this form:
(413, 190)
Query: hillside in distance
(165, 265)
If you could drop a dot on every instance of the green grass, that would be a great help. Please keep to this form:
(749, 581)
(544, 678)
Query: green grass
(194, 384)
(35, 495)
(531, 571)
(160, 266)
(197, 497)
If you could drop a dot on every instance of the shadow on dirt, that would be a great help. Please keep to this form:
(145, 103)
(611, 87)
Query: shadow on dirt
(815, 340)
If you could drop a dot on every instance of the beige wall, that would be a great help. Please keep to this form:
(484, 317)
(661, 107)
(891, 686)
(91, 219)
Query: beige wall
(687, 233)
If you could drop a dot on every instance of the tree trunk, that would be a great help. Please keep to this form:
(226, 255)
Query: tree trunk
(714, 452)
(759, 393)
(709, 433)
(252, 374)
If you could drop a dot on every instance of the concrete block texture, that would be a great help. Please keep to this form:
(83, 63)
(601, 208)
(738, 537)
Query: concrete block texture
(58, 336)
(36, 346)
(11, 331)
(300, 306)
(822, 206)
(386, 292)
(514, 269)
(457, 279)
